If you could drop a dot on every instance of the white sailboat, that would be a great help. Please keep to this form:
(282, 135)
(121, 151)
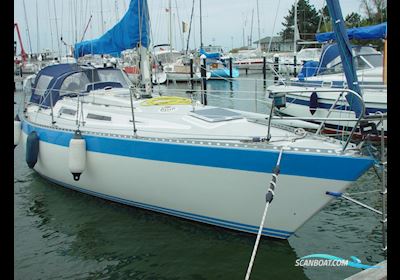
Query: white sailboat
(88, 129)
(175, 64)
(311, 96)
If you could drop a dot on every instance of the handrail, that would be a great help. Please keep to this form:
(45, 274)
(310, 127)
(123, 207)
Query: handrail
(341, 90)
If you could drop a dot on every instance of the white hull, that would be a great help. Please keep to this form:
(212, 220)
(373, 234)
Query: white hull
(297, 105)
(250, 65)
(182, 158)
(225, 197)
(184, 77)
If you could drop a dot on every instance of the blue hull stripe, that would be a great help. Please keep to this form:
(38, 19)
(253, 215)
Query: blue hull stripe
(199, 218)
(327, 106)
(293, 163)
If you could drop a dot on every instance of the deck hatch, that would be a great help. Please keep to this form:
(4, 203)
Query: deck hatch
(67, 111)
(98, 117)
(216, 115)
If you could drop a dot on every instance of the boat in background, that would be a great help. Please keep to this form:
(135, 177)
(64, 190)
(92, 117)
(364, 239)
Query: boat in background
(286, 62)
(175, 64)
(252, 59)
(130, 64)
(218, 64)
(310, 94)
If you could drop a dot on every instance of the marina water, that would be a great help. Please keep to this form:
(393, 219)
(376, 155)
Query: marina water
(63, 234)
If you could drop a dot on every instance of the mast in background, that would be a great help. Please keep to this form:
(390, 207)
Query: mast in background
(201, 29)
(170, 26)
(295, 33)
(258, 27)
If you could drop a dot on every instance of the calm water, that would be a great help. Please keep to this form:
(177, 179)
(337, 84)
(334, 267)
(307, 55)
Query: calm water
(63, 234)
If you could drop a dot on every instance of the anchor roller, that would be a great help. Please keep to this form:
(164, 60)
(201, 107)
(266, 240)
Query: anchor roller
(77, 155)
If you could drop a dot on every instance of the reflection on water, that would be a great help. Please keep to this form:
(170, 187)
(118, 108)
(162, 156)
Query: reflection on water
(79, 236)
(60, 233)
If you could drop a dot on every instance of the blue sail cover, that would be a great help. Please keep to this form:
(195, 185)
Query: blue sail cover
(214, 55)
(132, 29)
(346, 55)
(372, 32)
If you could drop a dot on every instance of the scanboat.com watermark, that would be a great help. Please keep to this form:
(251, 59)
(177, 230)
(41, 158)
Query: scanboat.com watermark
(329, 260)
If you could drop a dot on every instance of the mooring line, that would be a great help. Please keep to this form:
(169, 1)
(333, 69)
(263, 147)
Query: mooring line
(269, 196)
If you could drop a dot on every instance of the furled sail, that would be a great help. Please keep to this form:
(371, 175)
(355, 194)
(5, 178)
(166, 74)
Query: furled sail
(131, 30)
(371, 32)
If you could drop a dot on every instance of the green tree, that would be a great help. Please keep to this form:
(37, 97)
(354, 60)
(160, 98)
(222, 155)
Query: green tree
(375, 10)
(325, 20)
(307, 21)
(353, 20)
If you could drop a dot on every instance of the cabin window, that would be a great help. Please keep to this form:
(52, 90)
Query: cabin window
(360, 63)
(67, 111)
(112, 75)
(98, 117)
(376, 60)
(74, 84)
(43, 84)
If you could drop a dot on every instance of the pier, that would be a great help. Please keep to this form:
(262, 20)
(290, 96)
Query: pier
(371, 274)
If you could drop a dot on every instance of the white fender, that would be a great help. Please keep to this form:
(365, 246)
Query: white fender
(77, 155)
(17, 131)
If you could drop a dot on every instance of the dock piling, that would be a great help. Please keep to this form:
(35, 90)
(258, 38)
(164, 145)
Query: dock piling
(204, 79)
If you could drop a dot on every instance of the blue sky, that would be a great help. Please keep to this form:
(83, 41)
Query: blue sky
(224, 21)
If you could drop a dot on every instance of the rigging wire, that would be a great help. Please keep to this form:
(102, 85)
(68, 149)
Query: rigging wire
(321, 17)
(51, 32)
(190, 27)
(37, 28)
(180, 29)
(273, 27)
(27, 27)
(58, 41)
(258, 27)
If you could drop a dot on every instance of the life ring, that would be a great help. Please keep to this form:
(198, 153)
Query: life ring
(167, 100)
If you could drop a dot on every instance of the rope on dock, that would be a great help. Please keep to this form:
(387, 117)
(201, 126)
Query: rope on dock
(269, 196)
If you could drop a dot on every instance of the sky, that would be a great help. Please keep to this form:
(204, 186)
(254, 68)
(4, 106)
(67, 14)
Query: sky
(225, 22)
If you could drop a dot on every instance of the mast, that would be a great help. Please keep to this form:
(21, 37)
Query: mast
(101, 15)
(190, 27)
(51, 32)
(170, 26)
(181, 31)
(201, 29)
(58, 41)
(27, 27)
(251, 28)
(37, 28)
(295, 29)
(346, 55)
(258, 26)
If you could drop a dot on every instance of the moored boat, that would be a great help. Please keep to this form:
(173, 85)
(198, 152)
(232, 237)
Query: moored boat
(179, 157)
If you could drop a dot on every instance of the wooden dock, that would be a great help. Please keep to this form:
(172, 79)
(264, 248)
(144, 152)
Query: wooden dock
(371, 274)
